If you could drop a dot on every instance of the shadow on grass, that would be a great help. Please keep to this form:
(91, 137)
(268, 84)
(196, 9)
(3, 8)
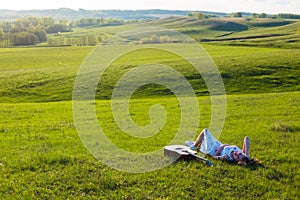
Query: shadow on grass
(280, 127)
(255, 164)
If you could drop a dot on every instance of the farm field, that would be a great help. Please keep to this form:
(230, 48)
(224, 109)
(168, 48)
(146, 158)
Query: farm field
(42, 156)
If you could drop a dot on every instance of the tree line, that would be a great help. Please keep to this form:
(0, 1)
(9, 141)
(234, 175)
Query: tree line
(154, 39)
(100, 21)
(30, 30)
(200, 15)
(288, 16)
(34, 30)
(265, 15)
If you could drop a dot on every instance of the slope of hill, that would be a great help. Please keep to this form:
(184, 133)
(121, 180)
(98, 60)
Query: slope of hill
(48, 74)
(237, 31)
(32, 74)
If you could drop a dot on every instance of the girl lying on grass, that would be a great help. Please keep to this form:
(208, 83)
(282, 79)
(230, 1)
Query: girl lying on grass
(207, 144)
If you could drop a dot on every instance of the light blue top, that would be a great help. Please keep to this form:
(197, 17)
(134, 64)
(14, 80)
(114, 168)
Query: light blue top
(228, 149)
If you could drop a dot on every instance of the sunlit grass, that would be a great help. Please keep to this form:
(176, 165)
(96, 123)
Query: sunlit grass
(42, 156)
(48, 74)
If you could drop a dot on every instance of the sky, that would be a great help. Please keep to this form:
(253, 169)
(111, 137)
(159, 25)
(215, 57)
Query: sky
(228, 6)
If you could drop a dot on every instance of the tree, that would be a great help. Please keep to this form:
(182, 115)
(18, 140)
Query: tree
(75, 41)
(237, 14)
(55, 28)
(2, 38)
(41, 34)
(64, 22)
(47, 21)
(262, 15)
(56, 41)
(83, 41)
(92, 40)
(89, 22)
(199, 16)
(1, 35)
(155, 39)
(164, 39)
(24, 38)
(100, 21)
(254, 15)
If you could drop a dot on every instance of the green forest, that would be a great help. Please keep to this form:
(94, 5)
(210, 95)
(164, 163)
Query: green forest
(34, 30)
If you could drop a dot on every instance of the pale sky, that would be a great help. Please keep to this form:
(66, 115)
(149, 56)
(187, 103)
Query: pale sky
(258, 6)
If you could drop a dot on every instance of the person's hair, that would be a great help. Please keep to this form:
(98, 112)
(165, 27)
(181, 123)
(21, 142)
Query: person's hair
(248, 161)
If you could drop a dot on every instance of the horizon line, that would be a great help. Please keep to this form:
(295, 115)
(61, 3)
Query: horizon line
(78, 9)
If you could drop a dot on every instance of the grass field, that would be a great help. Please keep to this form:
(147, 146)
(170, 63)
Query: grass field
(42, 156)
(238, 31)
(48, 74)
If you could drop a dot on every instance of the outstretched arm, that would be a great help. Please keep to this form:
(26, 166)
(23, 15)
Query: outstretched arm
(246, 146)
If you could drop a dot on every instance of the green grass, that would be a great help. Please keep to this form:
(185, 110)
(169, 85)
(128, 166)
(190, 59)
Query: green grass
(238, 31)
(101, 32)
(42, 156)
(41, 57)
(285, 29)
(284, 36)
(39, 74)
(48, 74)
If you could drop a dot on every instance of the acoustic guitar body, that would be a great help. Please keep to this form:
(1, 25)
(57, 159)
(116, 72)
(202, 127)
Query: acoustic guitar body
(180, 152)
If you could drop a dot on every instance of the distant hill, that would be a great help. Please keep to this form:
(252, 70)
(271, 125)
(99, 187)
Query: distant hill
(70, 14)
(237, 31)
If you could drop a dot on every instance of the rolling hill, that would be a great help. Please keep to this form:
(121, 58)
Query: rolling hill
(42, 155)
(237, 31)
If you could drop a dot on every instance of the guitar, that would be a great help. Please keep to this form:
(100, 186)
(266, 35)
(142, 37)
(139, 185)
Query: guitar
(184, 153)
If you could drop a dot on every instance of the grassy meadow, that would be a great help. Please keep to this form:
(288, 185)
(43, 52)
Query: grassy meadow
(42, 156)
(47, 74)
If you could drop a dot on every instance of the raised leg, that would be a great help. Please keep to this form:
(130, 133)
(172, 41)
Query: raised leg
(199, 139)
